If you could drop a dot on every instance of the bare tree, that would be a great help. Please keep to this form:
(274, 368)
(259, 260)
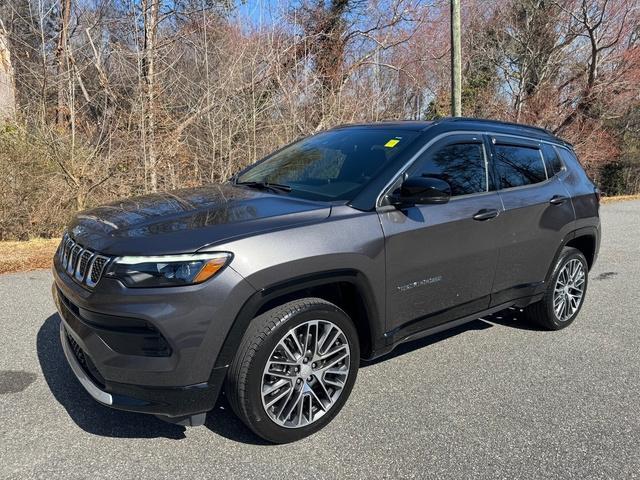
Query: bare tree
(114, 99)
(602, 24)
(7, 81)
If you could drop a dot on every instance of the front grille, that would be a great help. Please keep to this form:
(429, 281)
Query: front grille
(83, 265)
(81, 271)
(73, 260)
(97, 269)
(84, 361)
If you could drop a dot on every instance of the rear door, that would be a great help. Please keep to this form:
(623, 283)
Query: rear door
(537, 215)
(441, 259)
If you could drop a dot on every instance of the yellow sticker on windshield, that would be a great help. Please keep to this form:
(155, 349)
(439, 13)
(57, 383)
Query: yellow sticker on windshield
(392, 143)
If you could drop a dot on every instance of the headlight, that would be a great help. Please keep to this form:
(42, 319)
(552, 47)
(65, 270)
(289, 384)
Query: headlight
(167, 270)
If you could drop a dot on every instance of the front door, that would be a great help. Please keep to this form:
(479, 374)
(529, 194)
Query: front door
(441, 259)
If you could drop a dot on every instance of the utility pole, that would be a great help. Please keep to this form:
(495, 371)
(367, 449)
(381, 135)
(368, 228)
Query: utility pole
(456, 61)
(150, 10)
(62, 66)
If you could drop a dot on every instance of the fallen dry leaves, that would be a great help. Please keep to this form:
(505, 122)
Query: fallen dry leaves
(619, 198)
(28, 255)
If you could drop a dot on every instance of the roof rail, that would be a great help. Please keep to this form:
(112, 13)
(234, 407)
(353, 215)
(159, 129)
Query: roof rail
(501, 122)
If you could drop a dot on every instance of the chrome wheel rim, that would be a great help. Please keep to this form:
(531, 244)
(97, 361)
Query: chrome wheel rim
(305, 373)
(569, 290)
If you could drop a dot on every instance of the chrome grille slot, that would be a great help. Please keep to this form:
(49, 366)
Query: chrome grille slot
(67, 251)
(83, 265)
(96, 270)
(73, 258)
(63, 244)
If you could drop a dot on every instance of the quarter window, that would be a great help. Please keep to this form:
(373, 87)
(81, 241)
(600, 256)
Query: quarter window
(462, 165)
(517, 166)
(566, 155)
(554, 165)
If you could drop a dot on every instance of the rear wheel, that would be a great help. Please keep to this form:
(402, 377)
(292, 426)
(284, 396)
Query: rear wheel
(565, 292)
(294, 370)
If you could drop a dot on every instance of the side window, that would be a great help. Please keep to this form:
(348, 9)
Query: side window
(567, 156)
(552, 160)
(517, 166)
(462, 165)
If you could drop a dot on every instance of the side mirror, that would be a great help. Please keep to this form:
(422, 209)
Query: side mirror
(420, 191)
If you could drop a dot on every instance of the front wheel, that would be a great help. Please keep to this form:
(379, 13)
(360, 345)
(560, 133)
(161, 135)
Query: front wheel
(294, 370)
(565, 292)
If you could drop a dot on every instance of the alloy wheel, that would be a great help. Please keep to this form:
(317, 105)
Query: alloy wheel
(305, 373)
(569, 289)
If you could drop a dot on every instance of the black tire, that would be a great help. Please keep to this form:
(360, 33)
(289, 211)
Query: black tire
(244, 380)
(542, 313)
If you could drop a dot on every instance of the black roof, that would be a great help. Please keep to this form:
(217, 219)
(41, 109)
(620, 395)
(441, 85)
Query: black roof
(463, 122)
(415, 125)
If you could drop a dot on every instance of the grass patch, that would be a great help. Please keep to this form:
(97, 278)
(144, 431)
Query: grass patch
(620, 198)
(26, 256)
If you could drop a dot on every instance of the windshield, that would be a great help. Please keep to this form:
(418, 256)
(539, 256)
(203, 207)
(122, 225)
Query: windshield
(332, 165)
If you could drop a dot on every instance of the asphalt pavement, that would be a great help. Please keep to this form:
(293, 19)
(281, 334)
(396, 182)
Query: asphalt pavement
(493, 399)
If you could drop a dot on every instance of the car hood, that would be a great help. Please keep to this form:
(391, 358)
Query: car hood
(188, 220)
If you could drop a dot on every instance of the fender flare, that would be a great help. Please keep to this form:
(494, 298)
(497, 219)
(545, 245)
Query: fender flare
(260, 298)
(589, 231)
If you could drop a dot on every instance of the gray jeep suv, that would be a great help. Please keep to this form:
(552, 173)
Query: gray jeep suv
(273, 286)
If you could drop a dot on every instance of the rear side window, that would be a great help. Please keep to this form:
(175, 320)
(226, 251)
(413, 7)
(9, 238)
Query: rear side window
(517, 166)
(552, 160)
(567, 156)
(462, 165)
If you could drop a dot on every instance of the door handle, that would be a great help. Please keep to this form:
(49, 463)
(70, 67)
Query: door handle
(558, 200)
(486, 214)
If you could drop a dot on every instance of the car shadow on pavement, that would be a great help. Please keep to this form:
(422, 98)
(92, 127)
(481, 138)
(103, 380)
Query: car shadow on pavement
(426, 341)
(104, 421)
(510, 317)
(83, 410)
(222, 421)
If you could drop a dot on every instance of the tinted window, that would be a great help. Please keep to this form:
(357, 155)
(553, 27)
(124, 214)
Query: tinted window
(461, 165)
(332, 165)
(517, 166)
(567, 156)
(554, 165)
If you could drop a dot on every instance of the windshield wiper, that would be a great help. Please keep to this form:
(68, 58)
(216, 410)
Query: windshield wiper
(277, 187)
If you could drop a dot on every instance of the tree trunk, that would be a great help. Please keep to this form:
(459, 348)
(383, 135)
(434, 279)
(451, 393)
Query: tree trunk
(7, 82)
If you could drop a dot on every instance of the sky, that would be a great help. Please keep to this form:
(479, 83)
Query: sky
(260, 11)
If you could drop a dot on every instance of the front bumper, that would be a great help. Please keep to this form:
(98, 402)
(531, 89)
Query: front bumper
(178, 381)
(165, 401)
(81, 373)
